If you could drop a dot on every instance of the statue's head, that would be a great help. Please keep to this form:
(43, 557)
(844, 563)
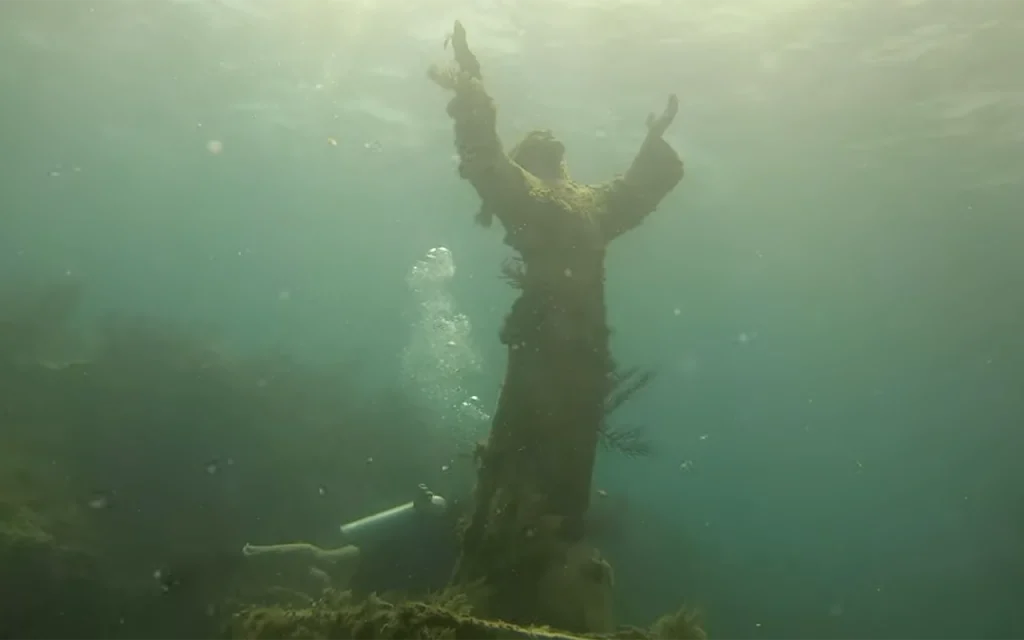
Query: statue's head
(541, 154)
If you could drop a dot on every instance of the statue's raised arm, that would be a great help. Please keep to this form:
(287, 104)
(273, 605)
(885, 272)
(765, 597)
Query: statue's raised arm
(655, 171)
(482, 159)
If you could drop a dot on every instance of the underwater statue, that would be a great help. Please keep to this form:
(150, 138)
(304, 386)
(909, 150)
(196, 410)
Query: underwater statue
(524, 538)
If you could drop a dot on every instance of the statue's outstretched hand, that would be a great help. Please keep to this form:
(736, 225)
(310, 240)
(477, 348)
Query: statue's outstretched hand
(657, 125)
(466, 66)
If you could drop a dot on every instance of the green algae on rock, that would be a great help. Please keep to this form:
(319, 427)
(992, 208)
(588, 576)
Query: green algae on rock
(339, 615)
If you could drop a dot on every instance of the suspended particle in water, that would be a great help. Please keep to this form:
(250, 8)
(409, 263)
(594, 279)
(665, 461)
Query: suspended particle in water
(99, 502)
(215, 147)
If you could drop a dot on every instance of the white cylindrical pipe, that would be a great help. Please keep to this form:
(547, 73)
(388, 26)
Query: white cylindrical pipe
(373, 526)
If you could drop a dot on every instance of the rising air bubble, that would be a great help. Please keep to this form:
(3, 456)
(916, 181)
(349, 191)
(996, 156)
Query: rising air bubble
(441, 355)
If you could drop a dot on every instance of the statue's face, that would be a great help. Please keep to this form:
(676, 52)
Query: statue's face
(541, 154)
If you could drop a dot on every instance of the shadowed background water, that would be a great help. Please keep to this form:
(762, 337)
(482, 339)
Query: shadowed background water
(832, 297)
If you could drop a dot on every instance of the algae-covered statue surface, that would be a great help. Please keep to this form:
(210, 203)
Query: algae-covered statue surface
(525, 537)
